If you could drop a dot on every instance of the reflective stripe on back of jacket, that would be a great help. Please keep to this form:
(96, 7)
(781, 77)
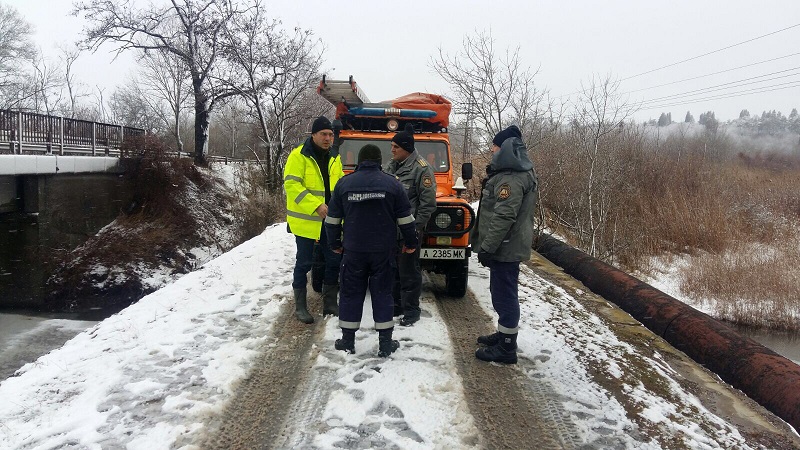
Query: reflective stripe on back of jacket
(305, 189)
(369, 204)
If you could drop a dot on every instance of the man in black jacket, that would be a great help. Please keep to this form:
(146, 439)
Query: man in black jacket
(366, 208)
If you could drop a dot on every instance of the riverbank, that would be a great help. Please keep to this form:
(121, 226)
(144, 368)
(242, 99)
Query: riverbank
(762, 301)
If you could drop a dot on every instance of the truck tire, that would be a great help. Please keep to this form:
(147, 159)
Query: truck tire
(456, 279)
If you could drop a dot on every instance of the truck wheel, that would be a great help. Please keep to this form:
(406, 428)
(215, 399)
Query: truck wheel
(456, 279)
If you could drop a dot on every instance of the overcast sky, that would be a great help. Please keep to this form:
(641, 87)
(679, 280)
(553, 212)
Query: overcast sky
(387, 46)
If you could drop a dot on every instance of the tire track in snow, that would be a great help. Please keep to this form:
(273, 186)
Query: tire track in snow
(508, 412)
(257, 416)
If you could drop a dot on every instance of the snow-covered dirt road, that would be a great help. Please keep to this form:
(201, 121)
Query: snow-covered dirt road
(215, 360)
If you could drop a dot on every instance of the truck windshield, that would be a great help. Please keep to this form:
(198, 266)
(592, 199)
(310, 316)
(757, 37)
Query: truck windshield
(433, 152)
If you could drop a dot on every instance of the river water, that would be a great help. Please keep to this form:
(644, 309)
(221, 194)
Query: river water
(784, 344)
(25, 336)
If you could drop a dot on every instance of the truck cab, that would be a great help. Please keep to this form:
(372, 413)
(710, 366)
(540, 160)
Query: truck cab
(444, 245)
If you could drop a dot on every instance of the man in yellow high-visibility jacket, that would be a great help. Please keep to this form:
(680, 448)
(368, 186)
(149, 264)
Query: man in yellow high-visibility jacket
(311, 172)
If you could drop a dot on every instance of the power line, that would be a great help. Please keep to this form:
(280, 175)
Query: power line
(769, 88)
(711, 74)
(729, 85)
(697, 77)
(728, 95)
(711, 53)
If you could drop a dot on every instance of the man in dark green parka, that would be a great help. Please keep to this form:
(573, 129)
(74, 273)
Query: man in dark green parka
(503, 236)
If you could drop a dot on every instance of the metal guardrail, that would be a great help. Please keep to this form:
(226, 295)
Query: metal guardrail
(26, 133)
(31, 133)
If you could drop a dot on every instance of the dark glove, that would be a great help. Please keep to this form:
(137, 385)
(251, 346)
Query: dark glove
(485, 258)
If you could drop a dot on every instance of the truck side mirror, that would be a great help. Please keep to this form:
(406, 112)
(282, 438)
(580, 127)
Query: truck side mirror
(466, 171)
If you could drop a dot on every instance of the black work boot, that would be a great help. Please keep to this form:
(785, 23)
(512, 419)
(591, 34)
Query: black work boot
(330, 299)
(300, 307)
(347, 342)
(505, 351)
(386, 345)
(409, 320)
(489, 339)
(411, 309)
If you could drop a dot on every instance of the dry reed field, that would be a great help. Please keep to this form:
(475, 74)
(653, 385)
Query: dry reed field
(735, 211)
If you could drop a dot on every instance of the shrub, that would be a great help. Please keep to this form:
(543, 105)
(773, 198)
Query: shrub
(254, 206)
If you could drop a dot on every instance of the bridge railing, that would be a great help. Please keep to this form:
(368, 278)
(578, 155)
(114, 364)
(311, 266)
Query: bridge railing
(24, 133)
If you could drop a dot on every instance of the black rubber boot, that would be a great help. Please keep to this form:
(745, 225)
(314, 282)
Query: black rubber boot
(300, 306)
(330, 299)
(505, 351)
(386, 345)
(348, 341)
(489, 339)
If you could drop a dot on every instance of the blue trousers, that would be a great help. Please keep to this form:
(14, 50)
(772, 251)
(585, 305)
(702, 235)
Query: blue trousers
(503, 285)
(359, 271)
(305, 257)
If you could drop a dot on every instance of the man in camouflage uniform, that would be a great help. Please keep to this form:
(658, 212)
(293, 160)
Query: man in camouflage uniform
(416, 176)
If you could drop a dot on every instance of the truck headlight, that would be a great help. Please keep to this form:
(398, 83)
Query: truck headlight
(443, 220)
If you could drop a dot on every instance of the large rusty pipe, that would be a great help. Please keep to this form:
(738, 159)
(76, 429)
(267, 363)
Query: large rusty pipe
(766, 377)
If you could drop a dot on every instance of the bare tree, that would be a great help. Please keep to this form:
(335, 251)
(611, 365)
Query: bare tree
(167, 84)
(48, 86)
(16, 51)
(276, 69)
(235, 128)
(492, 88)
(68, 56)
(131, 104)
(598, 121)
(189, 29)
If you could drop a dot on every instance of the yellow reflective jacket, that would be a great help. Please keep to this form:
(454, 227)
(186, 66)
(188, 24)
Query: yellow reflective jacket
(305, 188)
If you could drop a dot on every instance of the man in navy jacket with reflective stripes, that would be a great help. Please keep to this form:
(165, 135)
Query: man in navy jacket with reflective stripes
(366, 207)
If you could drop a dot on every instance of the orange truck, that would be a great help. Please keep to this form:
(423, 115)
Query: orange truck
(445, 243)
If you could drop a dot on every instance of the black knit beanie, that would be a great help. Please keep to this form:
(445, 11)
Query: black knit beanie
(370, 152)
(405, 138)
(509, 132)
(321, 123)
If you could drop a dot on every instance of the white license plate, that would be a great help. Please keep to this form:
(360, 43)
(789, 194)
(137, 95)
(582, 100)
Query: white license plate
(442, 253)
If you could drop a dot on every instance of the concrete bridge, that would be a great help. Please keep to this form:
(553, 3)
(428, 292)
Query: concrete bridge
(60, 182)
(49, 204)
